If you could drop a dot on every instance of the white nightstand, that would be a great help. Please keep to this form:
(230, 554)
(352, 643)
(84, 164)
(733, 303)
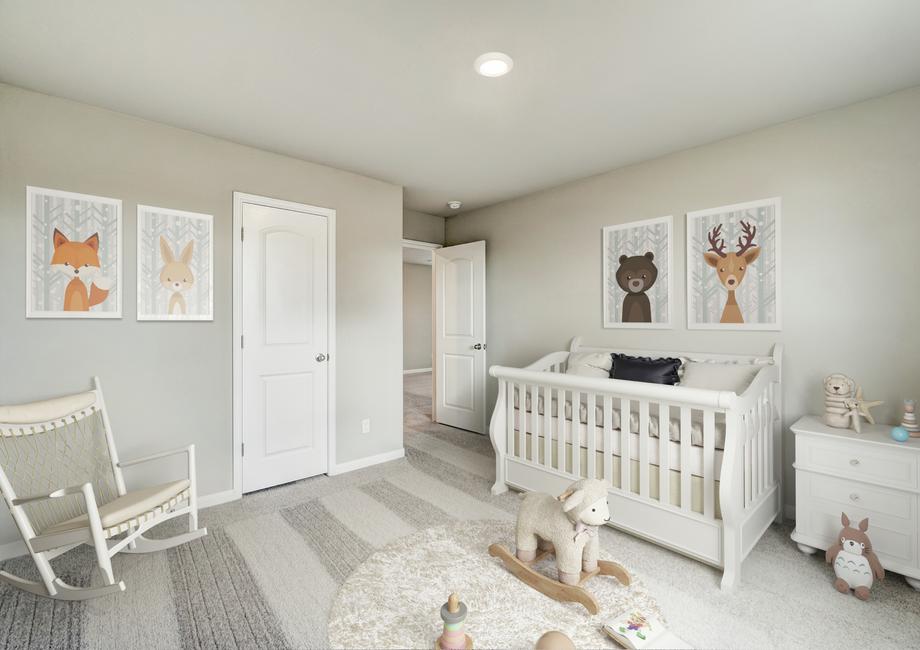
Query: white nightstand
(864, 475)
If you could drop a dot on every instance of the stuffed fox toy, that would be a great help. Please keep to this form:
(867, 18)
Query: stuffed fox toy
(855, 563)
(79, 261)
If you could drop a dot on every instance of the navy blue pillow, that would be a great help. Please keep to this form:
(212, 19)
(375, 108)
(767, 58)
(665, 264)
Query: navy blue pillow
(652, 371)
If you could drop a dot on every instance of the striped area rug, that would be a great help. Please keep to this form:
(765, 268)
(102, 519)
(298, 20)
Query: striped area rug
(269, 570)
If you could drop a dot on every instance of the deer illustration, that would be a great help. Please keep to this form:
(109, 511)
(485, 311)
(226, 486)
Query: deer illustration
(731, 267)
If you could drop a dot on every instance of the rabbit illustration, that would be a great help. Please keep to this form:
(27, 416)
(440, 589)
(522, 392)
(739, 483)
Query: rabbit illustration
(176, 275)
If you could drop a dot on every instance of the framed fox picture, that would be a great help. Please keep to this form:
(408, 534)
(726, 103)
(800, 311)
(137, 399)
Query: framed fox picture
(733, 267)
(73, 255)
(637, 274)
(175, 262)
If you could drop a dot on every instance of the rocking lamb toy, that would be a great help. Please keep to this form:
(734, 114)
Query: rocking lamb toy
(567, 527)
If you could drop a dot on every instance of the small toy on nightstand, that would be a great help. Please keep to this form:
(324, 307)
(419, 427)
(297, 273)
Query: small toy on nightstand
(453, 613)
(855, 563)
(909, 421)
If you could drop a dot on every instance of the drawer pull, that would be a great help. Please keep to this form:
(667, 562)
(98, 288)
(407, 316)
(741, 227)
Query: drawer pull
(854, 462)
(854, 497)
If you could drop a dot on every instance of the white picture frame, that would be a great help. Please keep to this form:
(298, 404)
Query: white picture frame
(633, 240)
(759, 304)
(66, 233)
(188, 238)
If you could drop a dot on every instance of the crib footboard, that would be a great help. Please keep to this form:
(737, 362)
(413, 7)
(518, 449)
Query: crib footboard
(690, 469)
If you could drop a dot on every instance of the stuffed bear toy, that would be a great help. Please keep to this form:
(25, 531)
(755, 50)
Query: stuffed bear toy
(569, 522)
(855, 563)
(636, 275)
(838, 389)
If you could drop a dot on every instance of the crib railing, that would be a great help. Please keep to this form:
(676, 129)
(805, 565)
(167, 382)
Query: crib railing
(538, 424)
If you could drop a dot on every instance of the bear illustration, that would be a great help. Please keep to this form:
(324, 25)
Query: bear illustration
(636, 275)
(855, 563)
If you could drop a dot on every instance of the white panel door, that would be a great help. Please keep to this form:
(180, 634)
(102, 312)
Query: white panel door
(285, 334)
(460, 336)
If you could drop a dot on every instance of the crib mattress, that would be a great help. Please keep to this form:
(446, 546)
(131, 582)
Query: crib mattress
(695, 455)
(696, 418)
(697, 489)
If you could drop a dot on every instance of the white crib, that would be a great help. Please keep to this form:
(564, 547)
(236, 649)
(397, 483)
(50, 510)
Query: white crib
(718, 501)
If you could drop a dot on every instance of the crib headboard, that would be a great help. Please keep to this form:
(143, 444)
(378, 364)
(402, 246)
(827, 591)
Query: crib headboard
(773, 358)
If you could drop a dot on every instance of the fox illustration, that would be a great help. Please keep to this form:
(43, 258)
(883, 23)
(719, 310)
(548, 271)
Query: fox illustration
(79, 261)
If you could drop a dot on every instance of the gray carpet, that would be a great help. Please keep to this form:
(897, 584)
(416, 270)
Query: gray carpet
(268, 572)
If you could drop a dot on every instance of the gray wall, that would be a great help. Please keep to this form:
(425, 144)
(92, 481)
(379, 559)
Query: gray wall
(169, 384)
(423, 227)
(416, 316)
(850, 184)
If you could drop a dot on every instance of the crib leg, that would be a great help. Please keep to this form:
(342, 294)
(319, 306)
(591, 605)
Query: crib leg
(731, 574)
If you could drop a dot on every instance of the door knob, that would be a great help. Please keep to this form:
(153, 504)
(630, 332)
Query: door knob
(478, 346)
(320, 357)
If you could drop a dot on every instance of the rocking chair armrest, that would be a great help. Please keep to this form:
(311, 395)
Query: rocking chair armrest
(189, 449)
(86, 489)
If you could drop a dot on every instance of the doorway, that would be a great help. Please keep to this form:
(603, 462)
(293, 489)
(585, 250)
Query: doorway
(284, 337)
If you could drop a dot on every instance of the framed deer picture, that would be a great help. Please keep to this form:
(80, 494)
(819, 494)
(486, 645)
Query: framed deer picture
(175, 263)
(637, 274)
(733, 267)
(73, 255)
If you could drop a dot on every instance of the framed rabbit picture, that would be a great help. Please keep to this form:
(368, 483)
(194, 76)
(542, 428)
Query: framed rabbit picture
(175, 265)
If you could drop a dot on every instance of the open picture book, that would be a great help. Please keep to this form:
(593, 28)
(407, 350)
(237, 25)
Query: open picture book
(637, 631)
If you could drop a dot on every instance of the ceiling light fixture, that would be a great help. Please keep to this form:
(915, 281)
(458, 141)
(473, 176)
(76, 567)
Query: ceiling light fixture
(454, 205)
(493, 64)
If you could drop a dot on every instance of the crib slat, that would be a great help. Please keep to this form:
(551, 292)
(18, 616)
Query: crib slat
(608, 440)
(764, 437)
(509, 401)
(534, 425)
(522, 422)
(748, 465)
(686, 498)
(709, 474)
(625, 456)
(591, 432)
(560, 430)
(547, 426)
(576, 433)
(664, 465)
(643, 448)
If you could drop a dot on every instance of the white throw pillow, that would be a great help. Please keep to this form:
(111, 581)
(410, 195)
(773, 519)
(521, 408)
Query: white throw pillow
(735, 377)
(590, 364)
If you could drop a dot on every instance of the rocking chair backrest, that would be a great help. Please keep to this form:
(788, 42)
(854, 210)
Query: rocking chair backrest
(57, 443)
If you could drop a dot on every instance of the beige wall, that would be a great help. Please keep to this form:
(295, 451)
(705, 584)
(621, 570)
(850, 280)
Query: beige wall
(423, 227)
(416, 316)
(169, 384)
(850, 184)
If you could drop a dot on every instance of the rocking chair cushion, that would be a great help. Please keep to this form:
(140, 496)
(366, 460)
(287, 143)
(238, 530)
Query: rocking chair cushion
(126, 507)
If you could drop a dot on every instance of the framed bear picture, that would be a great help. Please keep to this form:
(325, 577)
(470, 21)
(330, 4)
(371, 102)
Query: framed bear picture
(175, 263)
(637, 274)
(733, 267)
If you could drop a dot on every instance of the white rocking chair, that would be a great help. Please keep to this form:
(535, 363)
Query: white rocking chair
(59, 454)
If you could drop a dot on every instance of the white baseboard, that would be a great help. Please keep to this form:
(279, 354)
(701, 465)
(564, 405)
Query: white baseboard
(352, 465)
(17, 548)
(13, 549)
(416, 371)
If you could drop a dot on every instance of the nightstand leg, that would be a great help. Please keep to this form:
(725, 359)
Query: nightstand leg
(913, 582)
(807, 550)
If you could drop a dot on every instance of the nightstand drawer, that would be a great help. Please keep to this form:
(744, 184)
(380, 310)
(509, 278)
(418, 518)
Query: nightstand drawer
(892, 514)
(858, 461)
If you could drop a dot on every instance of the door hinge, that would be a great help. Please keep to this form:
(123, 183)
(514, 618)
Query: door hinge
(242, 449)
(241, 341)
(242, 235)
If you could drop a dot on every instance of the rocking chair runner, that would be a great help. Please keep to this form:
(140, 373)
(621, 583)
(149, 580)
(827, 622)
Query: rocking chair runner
(60, 456)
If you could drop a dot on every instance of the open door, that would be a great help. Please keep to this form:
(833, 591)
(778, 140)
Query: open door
(460, 336)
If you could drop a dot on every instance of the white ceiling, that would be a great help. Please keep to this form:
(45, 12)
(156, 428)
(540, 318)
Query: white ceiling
(388, 89)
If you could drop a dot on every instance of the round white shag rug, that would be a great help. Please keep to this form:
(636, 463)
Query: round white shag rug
(393, 599)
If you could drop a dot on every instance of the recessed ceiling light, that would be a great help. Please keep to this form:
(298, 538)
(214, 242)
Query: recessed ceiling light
(454, 205)
(493, 64)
